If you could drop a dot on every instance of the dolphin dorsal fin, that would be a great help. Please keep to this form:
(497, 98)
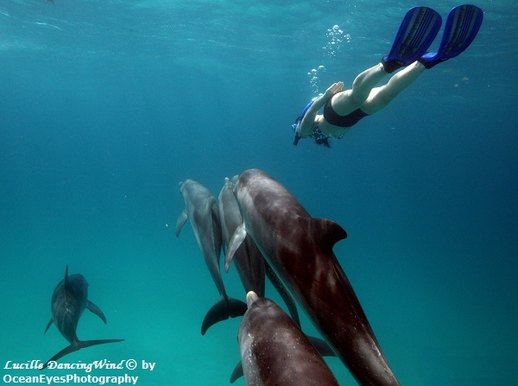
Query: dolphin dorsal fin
(328, 232)
(65, 280)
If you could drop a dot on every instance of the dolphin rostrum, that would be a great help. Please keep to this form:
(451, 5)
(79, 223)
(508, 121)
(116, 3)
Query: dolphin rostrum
(275, 352)
(69, 300)
(201, 209)
(300, 250)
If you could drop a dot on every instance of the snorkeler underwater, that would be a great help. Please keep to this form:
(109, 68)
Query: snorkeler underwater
(154, 206)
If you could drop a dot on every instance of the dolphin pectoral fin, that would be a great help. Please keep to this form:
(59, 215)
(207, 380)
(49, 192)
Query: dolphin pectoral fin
(225, 308)
(180, 222)
(237, 373)
(322, 347)
(96, 310)
(283, 291)
(235, 242)
(48, 325)
(78, 346)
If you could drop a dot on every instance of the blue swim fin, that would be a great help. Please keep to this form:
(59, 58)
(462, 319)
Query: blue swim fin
(416, 32)
(461, 28)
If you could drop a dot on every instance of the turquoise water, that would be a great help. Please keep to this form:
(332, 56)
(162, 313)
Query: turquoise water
(106, 105)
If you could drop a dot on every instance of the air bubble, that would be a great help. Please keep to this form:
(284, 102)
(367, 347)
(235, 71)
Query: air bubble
(335, 38)
(314, 78)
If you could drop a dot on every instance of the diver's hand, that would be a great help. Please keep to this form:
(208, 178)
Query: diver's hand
(333, 89)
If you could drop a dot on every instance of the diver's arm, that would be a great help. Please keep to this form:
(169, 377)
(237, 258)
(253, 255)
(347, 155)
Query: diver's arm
(306, 126)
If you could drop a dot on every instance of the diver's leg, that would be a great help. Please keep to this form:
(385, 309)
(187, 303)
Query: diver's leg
(347, 101)
(381, 96)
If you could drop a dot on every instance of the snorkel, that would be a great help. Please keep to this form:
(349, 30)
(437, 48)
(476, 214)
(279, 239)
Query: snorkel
(298, 122)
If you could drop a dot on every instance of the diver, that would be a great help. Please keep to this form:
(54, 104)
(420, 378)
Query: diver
(344, 108)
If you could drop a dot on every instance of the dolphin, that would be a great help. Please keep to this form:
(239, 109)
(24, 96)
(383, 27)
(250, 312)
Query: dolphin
(201, 209)
(275, 352)
(248, 259)
(69, 300)
(251, 265)
(300, 250)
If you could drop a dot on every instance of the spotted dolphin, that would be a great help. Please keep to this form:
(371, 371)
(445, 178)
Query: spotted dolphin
(201, 209)
(300, 250)
(248, 259)
(252, 267)
(274, 351)
(69, 300)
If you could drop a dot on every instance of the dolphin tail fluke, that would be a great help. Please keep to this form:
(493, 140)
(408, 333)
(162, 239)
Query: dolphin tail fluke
(225, 308)
(78, 346)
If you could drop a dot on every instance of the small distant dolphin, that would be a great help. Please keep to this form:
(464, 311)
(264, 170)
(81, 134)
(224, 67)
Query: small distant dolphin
(275, 352)
(300, 250)
(69, 300)
(201, 209)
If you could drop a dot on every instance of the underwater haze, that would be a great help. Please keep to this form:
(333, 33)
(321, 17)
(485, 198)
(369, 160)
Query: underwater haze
(106, 105)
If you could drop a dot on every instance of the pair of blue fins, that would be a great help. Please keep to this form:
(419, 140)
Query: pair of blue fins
(419, 29)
